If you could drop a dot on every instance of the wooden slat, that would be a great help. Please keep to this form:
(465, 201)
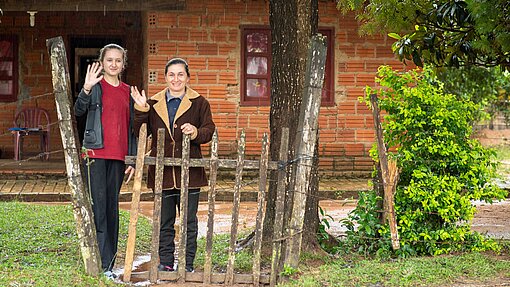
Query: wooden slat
(204, 162)
(216, 278)
(280, 200)
(264, 158)
(184, 207)
(211, 198)
(135, 204)
(8, 185)
(229, 279)
(156, 218)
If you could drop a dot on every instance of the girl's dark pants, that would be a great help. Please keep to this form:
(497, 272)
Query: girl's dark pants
(106, 176)
(170, 203)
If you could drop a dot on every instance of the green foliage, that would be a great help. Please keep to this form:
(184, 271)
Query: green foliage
(440, 33)
(288, 270)
(442, 168)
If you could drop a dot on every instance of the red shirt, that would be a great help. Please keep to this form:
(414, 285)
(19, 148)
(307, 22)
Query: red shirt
(115, 120)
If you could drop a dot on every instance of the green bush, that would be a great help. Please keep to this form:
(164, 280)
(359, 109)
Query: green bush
(443, 169)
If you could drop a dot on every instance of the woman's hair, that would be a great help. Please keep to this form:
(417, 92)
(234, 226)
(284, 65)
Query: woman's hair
(103, 50)
(175, 61)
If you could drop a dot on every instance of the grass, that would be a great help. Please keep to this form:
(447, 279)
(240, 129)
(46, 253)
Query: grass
(39, 247)
(419, 271)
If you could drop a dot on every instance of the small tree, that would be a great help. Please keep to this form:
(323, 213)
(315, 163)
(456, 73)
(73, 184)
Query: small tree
(442, 169)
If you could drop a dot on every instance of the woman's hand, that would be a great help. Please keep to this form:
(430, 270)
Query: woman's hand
(139, 98)
(92, 77)
(188, 129)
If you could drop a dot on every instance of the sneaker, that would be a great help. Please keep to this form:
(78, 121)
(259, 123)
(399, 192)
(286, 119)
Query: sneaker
(110, 275)
(166, 268)
(190, 269)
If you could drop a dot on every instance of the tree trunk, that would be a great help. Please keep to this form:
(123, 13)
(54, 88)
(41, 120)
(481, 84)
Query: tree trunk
(292, 24)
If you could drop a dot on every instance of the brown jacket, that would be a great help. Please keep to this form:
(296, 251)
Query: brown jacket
(194, 109)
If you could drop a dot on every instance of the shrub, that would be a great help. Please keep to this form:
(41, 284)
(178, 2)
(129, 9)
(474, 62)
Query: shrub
(443, 169)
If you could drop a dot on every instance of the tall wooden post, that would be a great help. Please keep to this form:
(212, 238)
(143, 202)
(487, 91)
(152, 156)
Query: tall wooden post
(306, 139)
(82, 208)
(390, 176)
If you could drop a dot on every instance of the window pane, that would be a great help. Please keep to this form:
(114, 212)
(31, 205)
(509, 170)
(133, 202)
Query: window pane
(256, 43)
(5, 87)
(256, 88)
(5, 48)
(256, 66)
(5, 69)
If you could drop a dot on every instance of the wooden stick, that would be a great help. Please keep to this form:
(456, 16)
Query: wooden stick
(156, 213)
(135, 204)
(229, 276)
(213, 172)
(280, 201)
(389, 180)
(184, 207)
(260, 210)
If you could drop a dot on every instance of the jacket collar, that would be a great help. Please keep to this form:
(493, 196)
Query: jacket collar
(161, 109)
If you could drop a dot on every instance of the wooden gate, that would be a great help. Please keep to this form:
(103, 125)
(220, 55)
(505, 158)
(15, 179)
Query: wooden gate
(214, 164)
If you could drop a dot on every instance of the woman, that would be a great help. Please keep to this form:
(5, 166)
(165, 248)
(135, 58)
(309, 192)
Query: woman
(108, 138)
(179, 110)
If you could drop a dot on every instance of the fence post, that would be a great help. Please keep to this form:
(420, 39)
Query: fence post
(229, 276)
(280, 201)
(213, 172)
(184, 207)
(390, 176)
(261, 199)
(135, 203)
(305, 142)
(82, 207)
(156, 212)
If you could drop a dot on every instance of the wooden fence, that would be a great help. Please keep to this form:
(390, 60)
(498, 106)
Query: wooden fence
(214, 164)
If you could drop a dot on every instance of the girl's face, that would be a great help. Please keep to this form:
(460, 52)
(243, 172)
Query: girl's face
(176, 79)
(113, 62)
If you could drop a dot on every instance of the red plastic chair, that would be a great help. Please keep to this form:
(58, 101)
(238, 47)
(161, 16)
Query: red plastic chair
(30, 121)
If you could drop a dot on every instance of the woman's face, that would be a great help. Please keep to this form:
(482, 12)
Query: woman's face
(113, 62)
(176, 79)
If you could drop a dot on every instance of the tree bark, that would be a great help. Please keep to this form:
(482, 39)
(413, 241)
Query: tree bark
(292, 24)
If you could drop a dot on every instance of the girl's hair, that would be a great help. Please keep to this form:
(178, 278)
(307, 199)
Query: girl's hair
(103, 50)
(175, 61)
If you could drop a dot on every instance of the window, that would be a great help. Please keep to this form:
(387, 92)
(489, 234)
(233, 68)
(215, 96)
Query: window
(256, 66)
(8, 68)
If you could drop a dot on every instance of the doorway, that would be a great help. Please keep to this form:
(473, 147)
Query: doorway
(85, 51)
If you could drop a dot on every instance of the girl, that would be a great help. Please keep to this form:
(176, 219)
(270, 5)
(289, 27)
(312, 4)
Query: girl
(108, 139)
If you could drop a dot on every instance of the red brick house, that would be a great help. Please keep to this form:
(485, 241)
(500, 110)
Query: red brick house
(227, 45)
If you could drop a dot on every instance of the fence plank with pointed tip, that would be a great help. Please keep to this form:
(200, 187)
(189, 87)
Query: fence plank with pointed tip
(261, 199)
(135, 204)
(156, 213)
(280, 200)
(211, 198)
(229, 276)
(184, 207)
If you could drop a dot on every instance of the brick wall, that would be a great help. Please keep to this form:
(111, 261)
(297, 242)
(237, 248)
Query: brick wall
(35, 82)
(207, 34)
